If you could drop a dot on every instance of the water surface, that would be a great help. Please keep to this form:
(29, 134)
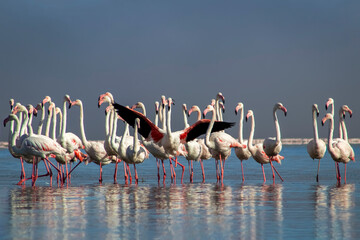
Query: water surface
(298, 208)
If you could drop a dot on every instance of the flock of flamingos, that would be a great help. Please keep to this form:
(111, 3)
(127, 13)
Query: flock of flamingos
(156, 138)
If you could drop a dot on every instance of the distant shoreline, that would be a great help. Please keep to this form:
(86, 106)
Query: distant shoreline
(285, 141)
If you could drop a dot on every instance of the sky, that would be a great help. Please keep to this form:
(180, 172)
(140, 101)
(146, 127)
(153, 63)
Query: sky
(257, 52)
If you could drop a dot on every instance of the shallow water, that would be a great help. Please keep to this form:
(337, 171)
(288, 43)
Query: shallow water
(298, 208)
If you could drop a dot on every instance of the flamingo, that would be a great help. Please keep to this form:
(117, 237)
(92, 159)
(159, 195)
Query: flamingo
(219, 143)
(197, 149)
(340, 150)
(134, 153)
(153, 133)
(94, 149)
(272, 146)
(257, 150)
(342, 126)
(329, 102)
(157, 151)
(241, 153)
(36, 146)
(316, 147)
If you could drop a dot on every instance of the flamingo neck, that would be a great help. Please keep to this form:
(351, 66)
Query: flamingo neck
(136, 140)
(14, 136)
(186, 124)
(277, 127)
(41, 122)
(82, 130)
(344, 130)
(331, 132)
(251, 136)
(108, 119)
(168, 121)
(241, 140)
(47, 129)
(114, 129)
(29, 125)
(208, 131)
(63, 128)
(217, 109)
(54, 124)
(315, 127)
(122, 142)
(24, 123)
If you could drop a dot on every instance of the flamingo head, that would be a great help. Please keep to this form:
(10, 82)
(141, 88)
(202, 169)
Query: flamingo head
(51, 106)
(220, 96)
(238, 107)
(327, 117)
(156, 107)
(19, 108)
(45, 100)
(281, 107)
(194, 108)
(77, 102)
(104, 98)
(208, 109)
(212, 102)
(163, 101)
(38, 107)
(58, 111)
(170, 102)
(315, 109)
(184, 107)
(249, 114)
(345, 109)
(11, 102)
(328, 103)
(31, 110)
(222, 106)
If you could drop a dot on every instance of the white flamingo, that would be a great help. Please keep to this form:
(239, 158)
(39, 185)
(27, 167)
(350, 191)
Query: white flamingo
(342, 126)
(340, 150)
(241, 153)
(316, 147)
(257, 150)
(94, 149)
(219, 143)
(272, 145)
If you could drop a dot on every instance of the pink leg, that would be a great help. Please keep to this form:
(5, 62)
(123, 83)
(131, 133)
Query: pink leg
(163, 166)
(72, 169)
(217, 169)
(242, 171)
(221, 169)
(272, 169)
(345, 174)
(192, 171)
(136, 175)
(129, 173)
(183, 170)
(338, 176)
(173, 174)
(22, 176)
(262, 166)
(125, 173)
(278, 173)
(189, 170)
(100, 178)
(116, 168)
(202, 169)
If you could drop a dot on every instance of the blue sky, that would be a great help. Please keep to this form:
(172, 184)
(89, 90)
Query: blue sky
(257, 52)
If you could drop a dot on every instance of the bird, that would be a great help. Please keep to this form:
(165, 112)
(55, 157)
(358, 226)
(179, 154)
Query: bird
(342, 126)
(161, 137)
(316, 147)
(135, 153)
(241, 153)
(339, 149)
(257, 150)
(36, 146)
(196, 149)
(219, 143)
(94, 149)
(272, 145)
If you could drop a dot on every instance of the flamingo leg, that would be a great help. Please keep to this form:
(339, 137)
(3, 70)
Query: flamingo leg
(221, 170)
(100, 178)
(158, 168)
(163, 166)
(202, 169)
(192, 171)
(72, 169)
(129, 173)
(317, 175)
(272, 169)
(189, 170)
(345, 174)
(242, 171)
(338, 176)
(262, 166)
(116, 168)
(173, 174)
(217, 169)
(278, 173)
(183, 169)
(125, 173)
(22, 175)
(136, 175)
